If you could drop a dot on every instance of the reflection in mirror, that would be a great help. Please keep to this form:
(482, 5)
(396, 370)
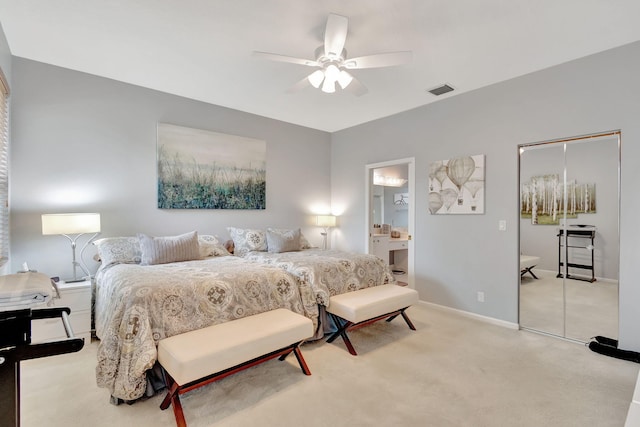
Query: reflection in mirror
(541, 294)
(390, 197)
(569, 241)
(378, 203)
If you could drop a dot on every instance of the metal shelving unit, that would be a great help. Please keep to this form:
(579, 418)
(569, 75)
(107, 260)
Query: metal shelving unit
(579, 233)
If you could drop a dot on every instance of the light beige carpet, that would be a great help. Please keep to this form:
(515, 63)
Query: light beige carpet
(452, 371)
(572, 308)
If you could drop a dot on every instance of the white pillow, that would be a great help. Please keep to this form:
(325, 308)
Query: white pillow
(162, 250)
(210, 246)
(246, 240)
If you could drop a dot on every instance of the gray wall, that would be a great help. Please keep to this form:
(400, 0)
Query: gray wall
(458, 255)
(85, 143)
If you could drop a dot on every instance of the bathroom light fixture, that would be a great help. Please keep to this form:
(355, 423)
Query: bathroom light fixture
(326, 222)
(73, 224)
(388, 181)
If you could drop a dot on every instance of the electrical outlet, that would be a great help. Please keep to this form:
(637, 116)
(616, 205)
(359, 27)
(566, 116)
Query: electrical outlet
(480, 296)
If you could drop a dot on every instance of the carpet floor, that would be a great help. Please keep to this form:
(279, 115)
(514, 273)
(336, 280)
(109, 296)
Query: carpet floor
(452, 371)
(571, 308)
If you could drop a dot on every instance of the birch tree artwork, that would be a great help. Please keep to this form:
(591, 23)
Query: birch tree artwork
(544, 199)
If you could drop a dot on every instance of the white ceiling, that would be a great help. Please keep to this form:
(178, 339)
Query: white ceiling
(201, 49)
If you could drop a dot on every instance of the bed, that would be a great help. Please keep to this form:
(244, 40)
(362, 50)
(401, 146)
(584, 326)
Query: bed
(137, 305)
(327, 272)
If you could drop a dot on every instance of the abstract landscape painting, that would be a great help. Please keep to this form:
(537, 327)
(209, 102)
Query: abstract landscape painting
(200, 169)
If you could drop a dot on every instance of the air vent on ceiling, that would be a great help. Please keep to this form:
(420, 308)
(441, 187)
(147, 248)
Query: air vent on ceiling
(440, 90)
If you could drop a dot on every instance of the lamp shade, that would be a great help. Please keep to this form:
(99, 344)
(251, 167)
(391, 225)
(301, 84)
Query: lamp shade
(326, 221)
(70, 223)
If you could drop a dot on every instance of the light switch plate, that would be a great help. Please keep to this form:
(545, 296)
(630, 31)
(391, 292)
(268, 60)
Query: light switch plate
(502, 225)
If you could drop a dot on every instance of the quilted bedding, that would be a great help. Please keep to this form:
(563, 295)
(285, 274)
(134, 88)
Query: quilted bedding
(136, 306)
(329, 272)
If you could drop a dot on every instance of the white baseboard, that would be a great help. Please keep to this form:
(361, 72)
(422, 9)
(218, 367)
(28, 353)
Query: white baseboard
(479, 317)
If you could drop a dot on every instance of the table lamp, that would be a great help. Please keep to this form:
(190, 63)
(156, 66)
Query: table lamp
(72, 226)
(326, 222)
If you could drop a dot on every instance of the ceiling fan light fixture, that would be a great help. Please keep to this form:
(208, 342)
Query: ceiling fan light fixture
(332, 63)
(344, 78)
(329, 86)
(332, 73)
(316, 78)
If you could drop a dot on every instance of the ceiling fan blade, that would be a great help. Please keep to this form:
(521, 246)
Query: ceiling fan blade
(356, 88)
(335, 35)
(379, 60)
(284, 58)
(299, 86)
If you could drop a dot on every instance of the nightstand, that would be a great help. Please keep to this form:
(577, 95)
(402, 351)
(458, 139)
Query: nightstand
(76, 296)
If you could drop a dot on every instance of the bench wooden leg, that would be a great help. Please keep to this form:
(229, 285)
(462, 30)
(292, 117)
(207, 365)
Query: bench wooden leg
(296, 350)
(177, 411)
(301, 361)
(406, 319)
(342, 331)
(528, 270)
(173, 389)
(348, 326)
(173, 398)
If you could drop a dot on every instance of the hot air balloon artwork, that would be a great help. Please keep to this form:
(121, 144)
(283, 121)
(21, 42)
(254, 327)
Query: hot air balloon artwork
(435, 202)
(460, 184)
(449, 198)
(437, 174)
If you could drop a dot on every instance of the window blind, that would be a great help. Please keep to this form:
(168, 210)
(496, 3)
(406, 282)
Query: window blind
(4, 169)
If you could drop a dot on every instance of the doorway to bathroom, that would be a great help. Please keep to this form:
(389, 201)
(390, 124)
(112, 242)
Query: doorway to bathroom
(390, 215)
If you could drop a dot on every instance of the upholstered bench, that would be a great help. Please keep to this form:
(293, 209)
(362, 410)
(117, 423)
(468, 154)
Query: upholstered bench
(527, 262)
(364, 306)
(199, 357)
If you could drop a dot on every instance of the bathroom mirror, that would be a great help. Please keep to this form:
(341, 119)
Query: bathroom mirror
(390, 191)
(569, 238)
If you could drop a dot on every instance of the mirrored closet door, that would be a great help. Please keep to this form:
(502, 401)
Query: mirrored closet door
(569, 238)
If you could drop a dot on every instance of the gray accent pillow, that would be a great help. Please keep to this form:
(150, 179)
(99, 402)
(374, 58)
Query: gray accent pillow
(162, 250)
(304, 243)
(283, 240)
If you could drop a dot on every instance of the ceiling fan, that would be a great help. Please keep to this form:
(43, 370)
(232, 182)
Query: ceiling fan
(332, 62)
